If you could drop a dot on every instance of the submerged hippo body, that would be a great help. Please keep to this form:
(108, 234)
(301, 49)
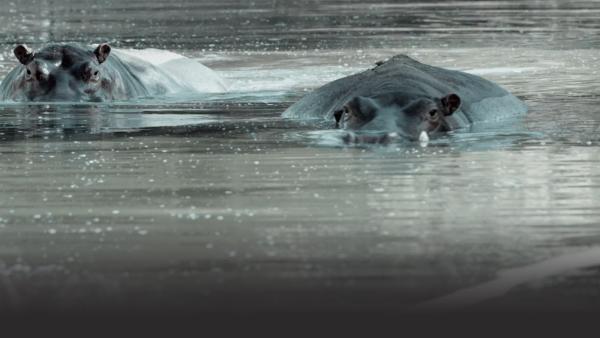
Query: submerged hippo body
(77, 73)
(407, 97)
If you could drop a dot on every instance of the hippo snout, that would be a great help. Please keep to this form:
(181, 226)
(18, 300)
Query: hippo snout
(63, 95)
(352, 138)
(62, 90)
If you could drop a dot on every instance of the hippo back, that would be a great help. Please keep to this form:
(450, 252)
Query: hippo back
(7, 86)
(481, 99)
(138, 77)
(135, 79)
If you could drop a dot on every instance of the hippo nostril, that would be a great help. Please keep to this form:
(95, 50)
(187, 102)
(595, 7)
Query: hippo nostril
(41, 76)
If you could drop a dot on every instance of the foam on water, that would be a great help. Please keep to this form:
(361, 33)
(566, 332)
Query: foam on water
(500, 70)
(137, 121)
(303, 78)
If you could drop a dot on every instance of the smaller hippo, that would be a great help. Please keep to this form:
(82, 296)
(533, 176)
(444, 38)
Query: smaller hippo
(75, 73)
(407, 98)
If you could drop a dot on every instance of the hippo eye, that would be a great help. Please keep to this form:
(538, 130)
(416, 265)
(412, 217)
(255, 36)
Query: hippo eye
(28, 72)
(96, 73)
(347, 114)
(433, 113)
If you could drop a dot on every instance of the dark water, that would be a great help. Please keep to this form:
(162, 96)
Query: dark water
(216, 202)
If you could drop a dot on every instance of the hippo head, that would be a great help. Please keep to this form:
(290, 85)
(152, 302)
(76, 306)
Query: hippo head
(63, 73)
(405, 114)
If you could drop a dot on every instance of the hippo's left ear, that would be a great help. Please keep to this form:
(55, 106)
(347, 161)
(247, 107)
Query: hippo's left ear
(24, 54)
(102, 52)
(451, 103)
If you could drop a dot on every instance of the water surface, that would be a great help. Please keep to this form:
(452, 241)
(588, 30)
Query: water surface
(217, 202)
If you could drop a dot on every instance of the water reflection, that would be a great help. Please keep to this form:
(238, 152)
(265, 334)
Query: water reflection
(67, 121)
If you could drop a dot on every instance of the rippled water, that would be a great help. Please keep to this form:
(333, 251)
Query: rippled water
(216, 200)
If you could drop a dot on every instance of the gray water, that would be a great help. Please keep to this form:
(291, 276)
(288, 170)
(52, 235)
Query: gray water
(217, 202)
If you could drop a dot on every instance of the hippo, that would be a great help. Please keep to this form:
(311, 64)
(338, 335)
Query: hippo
(407, 98)
(75, 73)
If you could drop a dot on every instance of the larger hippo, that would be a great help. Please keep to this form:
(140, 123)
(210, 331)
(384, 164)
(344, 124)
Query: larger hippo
(409, 98)
(68, 72)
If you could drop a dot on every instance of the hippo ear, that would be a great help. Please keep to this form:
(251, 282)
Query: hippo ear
(102, 52)
(338, 116)
(363, 107)
(451, 103)
(24, 54)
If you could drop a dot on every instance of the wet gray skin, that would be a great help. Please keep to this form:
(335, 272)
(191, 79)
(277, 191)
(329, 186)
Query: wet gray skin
(78, 74)
(406, 97)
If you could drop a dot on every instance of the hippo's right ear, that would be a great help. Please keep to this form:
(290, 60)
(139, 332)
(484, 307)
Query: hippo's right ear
(362, 107)
(102, 52)
(24, 54)
(338, 116)
(451, 103)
